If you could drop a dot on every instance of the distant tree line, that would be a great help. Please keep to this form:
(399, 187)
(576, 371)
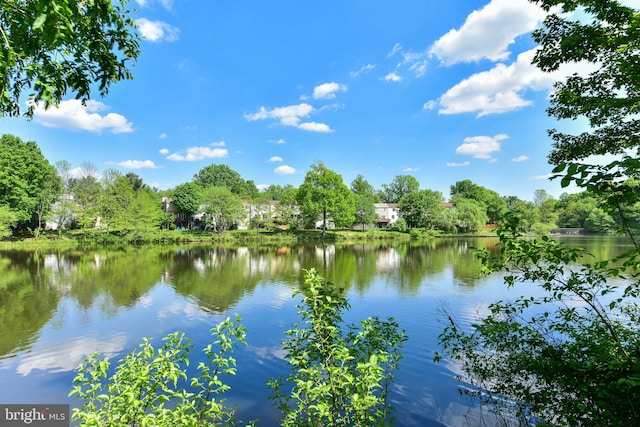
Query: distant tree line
(34, 192)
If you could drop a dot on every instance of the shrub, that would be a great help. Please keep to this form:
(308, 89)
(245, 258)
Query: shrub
(339, 377)
(146, 380)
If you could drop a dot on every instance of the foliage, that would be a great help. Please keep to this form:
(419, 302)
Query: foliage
(365, 211)
(216, 175)
(186, 198)
(25, 175)
(8, 219)
(570, 356)
(148, 386)
(286, 210)
(323, 195)
(339, 378)
(223, 209)
(54, 46)
(85, 190)
(606, 33)
(399, 225)
(401, 186)
(494, 205)
(421, 208)
(470, 215)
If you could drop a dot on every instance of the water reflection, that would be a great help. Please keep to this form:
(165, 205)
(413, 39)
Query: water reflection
(32, 282)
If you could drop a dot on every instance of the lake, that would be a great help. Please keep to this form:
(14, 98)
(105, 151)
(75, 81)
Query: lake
(59, 306)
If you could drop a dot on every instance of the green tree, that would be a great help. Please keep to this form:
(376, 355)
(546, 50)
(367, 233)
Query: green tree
(323, 195)
(47, 196)
(50, 47)
(364, 198)
(275, 192)
(286, 210)
(495, 205)
(607, 96)
(421, 208)
(223, 176)
(25, 175)
(574, 209)
(569, 354)
(187, 198)
(146, 211)
(470, 215)
(399, 187)
(223, 209)
(116, 205)
(8, 219)
(86, 190)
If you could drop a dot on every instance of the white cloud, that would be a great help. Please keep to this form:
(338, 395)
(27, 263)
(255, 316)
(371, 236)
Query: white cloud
(497, 90)
(363, 70)
(164, 151)
(138, 164)
(541, 177)
(315, 127)
(488, 32)
(162, 136)
(395, 49)
(520, 159)
(430, 105)
(275, 159)
(73, 115)
(392, 77)
(156, 31)
(284, 170)
(457, 165)
(278, 141)
(411, 169)
(481, 147)
(500, 89)
(218, 144)
(193, 154)
(290, 116)
(327, 90)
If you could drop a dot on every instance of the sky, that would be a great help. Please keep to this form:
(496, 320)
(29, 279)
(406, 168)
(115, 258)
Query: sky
(440, 90)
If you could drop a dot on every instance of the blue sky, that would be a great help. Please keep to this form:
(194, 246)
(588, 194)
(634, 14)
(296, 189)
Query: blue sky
(441, 90)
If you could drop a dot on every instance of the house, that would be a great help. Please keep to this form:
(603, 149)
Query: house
(387, 214)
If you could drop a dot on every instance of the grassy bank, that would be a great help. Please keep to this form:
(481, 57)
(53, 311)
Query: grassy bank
(92, 237)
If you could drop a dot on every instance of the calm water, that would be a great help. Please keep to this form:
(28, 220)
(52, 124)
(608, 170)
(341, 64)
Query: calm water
(57, 307)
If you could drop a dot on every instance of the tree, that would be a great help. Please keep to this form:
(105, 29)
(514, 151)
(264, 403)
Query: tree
(86, 190)
(275, 192)
(25, 176)
(495, 205)
(223, 209)
(364, 198)
(8, 219)
(399, 187)
(187, 198)
(569, 354)
(116, 205)
(47, 196)
(421, 208)
(607, 96)
(286, 210)
(223, 176)
(323, 195)
(470, 215)
(51, 47)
